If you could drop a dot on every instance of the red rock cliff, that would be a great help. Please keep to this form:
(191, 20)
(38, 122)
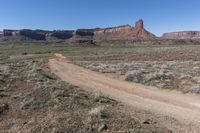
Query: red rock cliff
(125, 32)
(182, 35)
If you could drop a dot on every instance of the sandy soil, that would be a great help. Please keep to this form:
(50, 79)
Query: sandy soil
(182, 107)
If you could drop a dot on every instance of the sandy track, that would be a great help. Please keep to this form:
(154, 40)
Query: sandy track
(185, 108)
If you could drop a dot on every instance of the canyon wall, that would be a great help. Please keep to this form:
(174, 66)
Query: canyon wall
(182, 35)
(125, 32)
(119, 33)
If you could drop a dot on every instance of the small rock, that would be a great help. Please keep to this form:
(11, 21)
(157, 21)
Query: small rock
(3, 89)
(103, 127)
(18, 96)
(3, 107)
(147, 121)
(3, 95)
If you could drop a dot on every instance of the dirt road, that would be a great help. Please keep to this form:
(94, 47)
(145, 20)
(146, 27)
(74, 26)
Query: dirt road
(183, 107)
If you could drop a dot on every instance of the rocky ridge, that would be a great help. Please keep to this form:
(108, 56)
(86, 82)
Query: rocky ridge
(182, 35)
(125, 32)
(120, 33)
(1, 33)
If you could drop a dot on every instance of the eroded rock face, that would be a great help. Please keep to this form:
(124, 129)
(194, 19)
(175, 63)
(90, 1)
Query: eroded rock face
(182, 35)
(125, 32)
(8, 32)
(139, 24)
(85, 32)
(34, 34)
(113, 30)
(1, 33)
(142, 33)
(119, 33)
(62, 35)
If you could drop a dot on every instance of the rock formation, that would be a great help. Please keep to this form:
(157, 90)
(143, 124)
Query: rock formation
(1, 33)
(142, 33)
(85, 32)
(119, 33)
(123, 33)
(8, 32)
(182, 35)
(34, 34)
(82, 36)
(59, 35)
(139, 24)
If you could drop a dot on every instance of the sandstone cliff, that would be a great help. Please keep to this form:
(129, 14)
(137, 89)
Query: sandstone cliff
(182, 35)
(1, 33)
(120, 33)
(59, 35)
(125, 32)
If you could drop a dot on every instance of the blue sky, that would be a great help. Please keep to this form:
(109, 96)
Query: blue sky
(159, 15)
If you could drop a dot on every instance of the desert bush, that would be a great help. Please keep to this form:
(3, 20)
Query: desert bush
(98, 113)
(4, 70)
(99, 97)
(134, 75)
(32, 103)
(196, 89)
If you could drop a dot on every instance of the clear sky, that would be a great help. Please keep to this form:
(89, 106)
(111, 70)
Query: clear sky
(159, 15)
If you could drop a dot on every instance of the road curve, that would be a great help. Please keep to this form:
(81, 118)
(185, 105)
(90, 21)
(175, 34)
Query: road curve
(185, 108)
